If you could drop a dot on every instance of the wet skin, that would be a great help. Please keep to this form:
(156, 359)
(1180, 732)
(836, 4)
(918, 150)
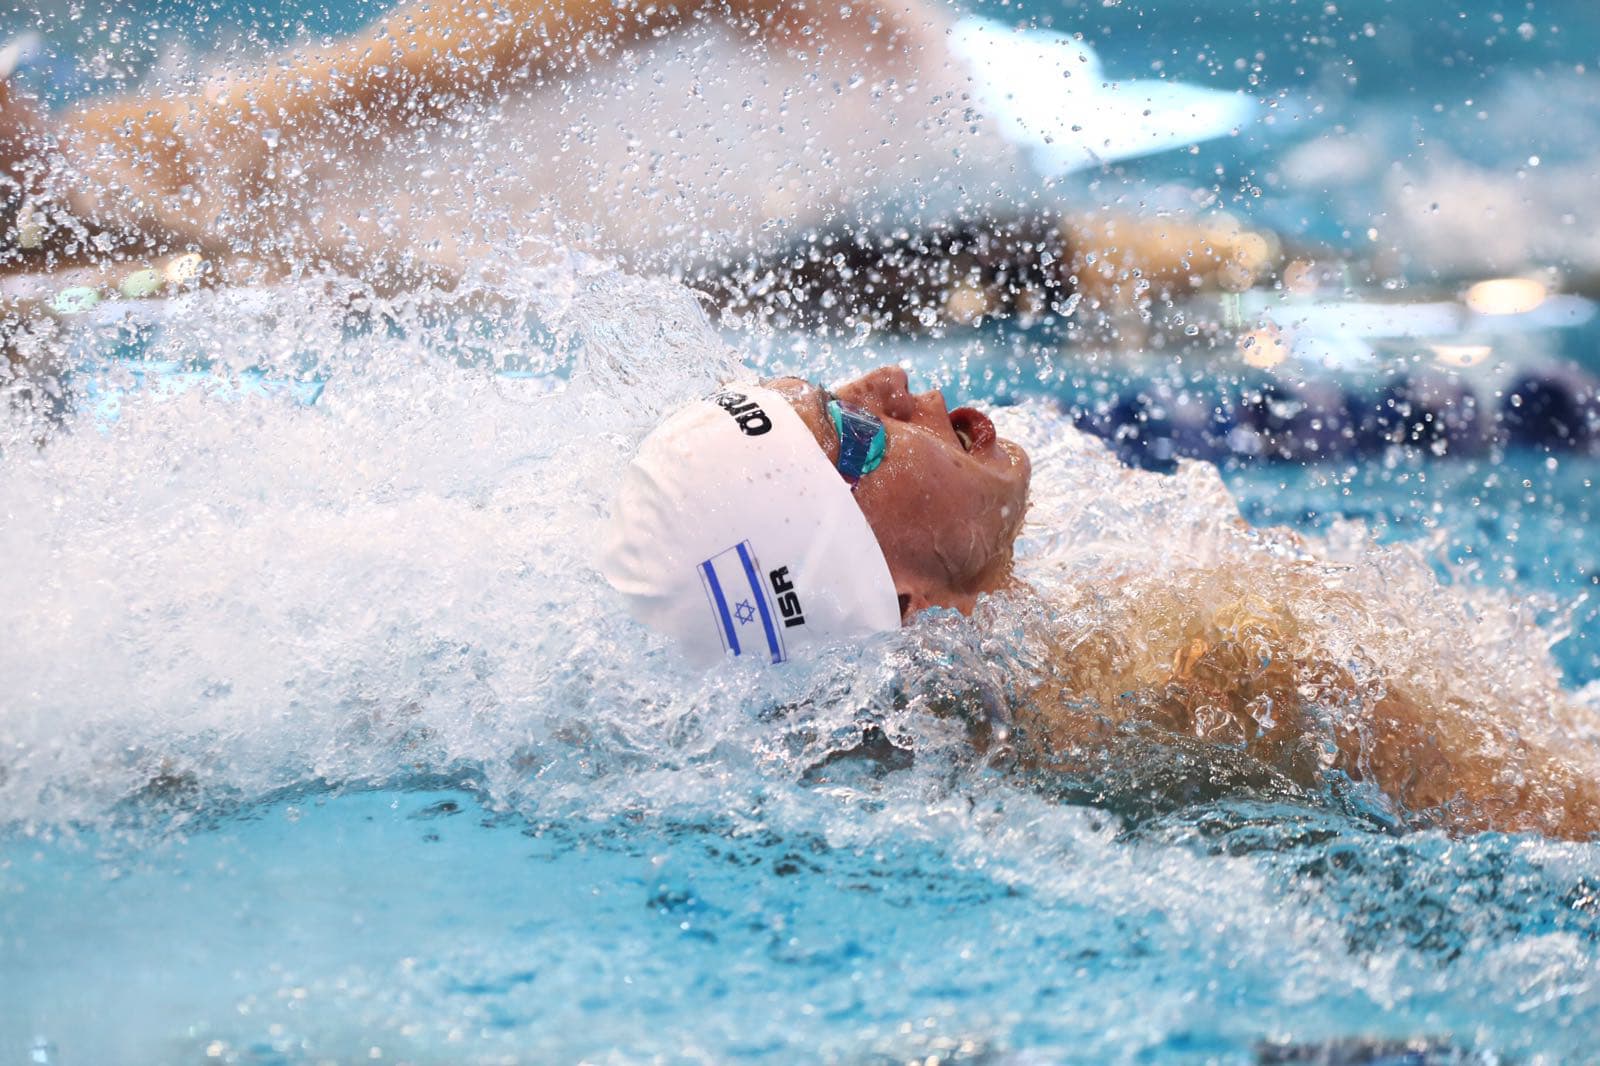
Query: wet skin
(948, 500)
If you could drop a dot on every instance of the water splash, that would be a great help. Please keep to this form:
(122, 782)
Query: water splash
(242, 594)
(228, 597)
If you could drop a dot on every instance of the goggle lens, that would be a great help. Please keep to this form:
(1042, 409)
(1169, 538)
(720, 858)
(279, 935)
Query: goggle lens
(862, 440)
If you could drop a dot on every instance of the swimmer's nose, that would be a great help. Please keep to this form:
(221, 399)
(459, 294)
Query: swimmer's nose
(887, 392)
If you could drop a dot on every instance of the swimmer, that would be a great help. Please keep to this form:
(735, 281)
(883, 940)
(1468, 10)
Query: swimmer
(776, 518)
(248, 169)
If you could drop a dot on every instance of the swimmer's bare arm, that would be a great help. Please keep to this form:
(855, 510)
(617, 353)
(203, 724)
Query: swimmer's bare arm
(1232, 659)
(197, 166)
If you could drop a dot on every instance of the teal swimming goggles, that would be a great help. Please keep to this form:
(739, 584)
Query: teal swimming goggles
(862, 439)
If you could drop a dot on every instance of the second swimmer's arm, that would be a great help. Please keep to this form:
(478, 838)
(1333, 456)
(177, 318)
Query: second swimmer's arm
(197, 165)
(192, 164)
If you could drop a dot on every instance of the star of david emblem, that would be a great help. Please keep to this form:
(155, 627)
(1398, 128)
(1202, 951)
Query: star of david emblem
(745, 611)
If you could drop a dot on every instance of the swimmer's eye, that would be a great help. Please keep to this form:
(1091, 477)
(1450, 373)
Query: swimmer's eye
(862, 439)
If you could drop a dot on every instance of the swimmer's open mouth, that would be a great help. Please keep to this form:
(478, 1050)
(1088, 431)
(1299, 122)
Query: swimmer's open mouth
(973, 428)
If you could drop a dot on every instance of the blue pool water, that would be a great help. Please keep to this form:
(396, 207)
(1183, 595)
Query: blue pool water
(321, 740)
(419, 924)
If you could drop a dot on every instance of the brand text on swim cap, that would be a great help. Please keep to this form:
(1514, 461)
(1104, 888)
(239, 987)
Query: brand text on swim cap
(753, 421)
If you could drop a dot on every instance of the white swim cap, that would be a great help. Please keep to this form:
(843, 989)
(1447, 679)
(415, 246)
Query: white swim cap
(734, 534)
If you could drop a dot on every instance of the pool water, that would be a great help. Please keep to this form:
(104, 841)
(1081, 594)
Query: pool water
(331, 751)
(416, 925)
(322, 741)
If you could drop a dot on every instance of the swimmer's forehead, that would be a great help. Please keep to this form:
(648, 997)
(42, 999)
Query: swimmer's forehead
(798, 391)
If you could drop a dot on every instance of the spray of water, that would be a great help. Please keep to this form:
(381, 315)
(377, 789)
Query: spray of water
(223, 593)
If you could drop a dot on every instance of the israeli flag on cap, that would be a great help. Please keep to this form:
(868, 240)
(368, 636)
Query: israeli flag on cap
(739, 605)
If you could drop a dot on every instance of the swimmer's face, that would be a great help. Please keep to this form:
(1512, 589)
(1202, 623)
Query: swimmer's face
(948, 499)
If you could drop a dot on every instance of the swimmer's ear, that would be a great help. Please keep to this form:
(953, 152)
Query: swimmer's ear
(912, 604)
